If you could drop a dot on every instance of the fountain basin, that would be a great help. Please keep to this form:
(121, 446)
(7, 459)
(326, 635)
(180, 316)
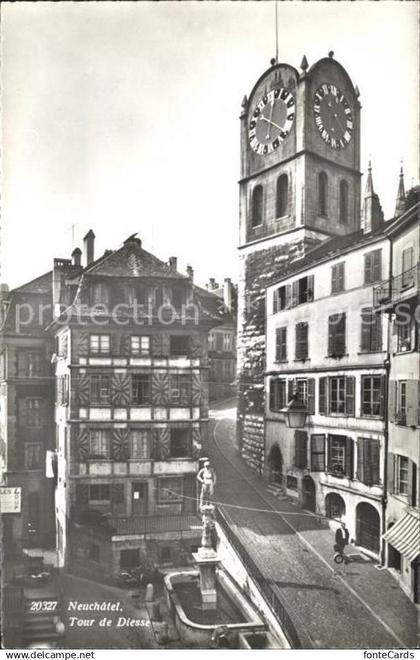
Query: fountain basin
(196, 624)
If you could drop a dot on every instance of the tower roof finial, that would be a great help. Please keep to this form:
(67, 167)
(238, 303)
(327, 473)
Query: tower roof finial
(400, 202)
(369, 181)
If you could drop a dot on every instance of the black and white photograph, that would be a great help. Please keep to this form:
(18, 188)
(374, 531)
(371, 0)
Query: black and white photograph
(210, 328)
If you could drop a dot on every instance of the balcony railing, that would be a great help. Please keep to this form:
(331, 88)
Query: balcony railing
(401, 287)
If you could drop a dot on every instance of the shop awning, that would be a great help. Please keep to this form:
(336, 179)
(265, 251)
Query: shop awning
(404, 536)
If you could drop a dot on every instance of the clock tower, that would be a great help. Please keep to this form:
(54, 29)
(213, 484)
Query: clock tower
(299, 185)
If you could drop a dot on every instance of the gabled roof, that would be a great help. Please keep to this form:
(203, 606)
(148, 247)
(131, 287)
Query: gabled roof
(131, 260)
(338, 245)
(41, 284)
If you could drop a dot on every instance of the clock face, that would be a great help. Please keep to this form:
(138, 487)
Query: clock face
(333, 116)
(271, 121)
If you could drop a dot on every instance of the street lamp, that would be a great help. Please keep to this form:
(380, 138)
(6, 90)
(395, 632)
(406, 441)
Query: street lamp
(295, 413)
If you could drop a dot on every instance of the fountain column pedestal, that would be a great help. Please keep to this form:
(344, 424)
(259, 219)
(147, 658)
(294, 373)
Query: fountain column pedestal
(207, 560)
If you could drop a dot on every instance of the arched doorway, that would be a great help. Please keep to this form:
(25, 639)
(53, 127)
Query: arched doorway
(368, 527)
(335, 507)
(275, 464)
(308, 494)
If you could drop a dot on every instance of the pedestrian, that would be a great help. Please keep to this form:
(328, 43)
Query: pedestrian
(341, 538)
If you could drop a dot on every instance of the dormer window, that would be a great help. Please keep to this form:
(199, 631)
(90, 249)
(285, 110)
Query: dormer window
(100, 294)
(178, 297)
(138, 295)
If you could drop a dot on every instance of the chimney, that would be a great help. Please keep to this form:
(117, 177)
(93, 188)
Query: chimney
(373, 216)
(227, 293)
(77, 257)
(190, 273)
(212, 285)
(173, 263)
(89, 247)
(400, 203)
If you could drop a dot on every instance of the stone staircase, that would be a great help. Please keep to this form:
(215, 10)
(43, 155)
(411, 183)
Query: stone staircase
(40, 627)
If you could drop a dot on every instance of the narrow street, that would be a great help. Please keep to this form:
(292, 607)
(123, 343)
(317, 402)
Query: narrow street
(357, 606)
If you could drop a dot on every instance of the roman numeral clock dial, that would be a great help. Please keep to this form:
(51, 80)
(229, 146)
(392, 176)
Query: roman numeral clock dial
(271, 121)
(333, 116)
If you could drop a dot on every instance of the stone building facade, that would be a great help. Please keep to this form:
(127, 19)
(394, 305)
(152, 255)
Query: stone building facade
(299, 185)
(328, 343)
(26, 413)
(222, 342)
(131, 410)
(398, 298)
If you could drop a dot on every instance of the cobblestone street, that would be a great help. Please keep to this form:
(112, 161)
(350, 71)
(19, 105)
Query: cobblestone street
(357, 606)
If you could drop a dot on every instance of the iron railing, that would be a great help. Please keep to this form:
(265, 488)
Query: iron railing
(390, 292)
(269, 591)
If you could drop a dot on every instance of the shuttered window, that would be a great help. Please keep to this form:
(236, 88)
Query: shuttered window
(323, 396)
(340, 455)
(368, 454)
(301, 447)
(407, 267)
(281, 298)
(318, 453)
(277, 394)
(371, 331)
(281, 344)
(373, 266)
(372, 395)
(337, 335)
(337, 277)
(301, 341)
(310, 402)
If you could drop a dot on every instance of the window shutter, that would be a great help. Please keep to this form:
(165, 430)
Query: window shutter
(374, 462)
(412, 403)
(368, 268)
(340, 276)
(295, 293)
(377, 265)
(350, 396)
(340, 336)
(360, 460)
(410, 480)
(310, 290)
(349, 457)
(331, 327)
(272, 394)
(366, 329)
(275, 301)
(311, 396)
(391, 473)
(334, 278)
(290, 388)
(322, 396)
(382, 401)
(392, 399)
(288, 296)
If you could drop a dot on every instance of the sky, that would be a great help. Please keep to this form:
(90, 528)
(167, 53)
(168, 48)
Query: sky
(124, 117)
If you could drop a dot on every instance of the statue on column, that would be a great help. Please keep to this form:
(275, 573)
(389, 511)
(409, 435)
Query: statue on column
(207, 479)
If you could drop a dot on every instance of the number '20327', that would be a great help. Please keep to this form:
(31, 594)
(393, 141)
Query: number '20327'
(44, 605)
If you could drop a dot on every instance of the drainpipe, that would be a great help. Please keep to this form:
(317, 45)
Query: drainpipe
(387, 365)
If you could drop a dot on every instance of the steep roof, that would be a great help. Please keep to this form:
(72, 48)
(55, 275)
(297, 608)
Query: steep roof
(131, 260)
(41, 284)
(338, 245)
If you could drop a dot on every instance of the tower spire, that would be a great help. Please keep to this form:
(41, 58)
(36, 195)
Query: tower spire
(373, 216)
(369, 181)
(400, 203)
